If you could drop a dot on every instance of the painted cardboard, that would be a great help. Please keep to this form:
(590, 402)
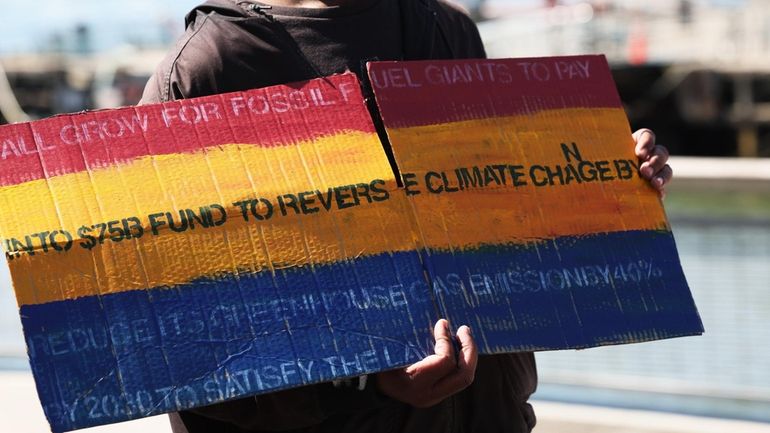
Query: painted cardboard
(523, 183)
(172, 256)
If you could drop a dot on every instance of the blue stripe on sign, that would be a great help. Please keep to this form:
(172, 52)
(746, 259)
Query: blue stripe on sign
(119, 357)
(571, 292)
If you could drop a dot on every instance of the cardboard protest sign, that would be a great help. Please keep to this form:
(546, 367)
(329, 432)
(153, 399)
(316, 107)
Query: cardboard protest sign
(173, 256)
(522, 176)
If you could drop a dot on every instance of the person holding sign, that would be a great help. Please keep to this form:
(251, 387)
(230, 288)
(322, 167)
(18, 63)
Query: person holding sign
(233, 45)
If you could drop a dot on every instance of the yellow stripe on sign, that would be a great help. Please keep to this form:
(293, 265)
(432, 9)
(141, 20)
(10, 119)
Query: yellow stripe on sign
(600, 133)
(511, 147)
(171, 258)
(447, 220)
(163, 183)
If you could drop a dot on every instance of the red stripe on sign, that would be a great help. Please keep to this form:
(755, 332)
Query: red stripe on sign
(434, 92)
(273, 116)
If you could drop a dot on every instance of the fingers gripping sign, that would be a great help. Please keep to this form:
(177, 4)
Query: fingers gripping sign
(438, 376)
(653, 159)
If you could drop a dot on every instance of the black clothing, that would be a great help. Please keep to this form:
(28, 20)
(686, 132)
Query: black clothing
(337, 39)
(231, 46)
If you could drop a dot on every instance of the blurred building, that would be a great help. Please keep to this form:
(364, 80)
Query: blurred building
(694, 71)
(70, 75)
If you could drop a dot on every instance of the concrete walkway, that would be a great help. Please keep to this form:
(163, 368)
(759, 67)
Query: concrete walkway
(20, 412)
(572, 418)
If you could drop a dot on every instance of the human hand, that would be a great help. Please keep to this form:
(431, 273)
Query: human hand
(438, 376)
(653, 159)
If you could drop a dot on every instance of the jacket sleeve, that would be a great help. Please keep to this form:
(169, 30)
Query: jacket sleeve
(191, 69)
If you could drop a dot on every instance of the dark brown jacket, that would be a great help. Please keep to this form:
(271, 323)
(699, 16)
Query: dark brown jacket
(230, 47)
